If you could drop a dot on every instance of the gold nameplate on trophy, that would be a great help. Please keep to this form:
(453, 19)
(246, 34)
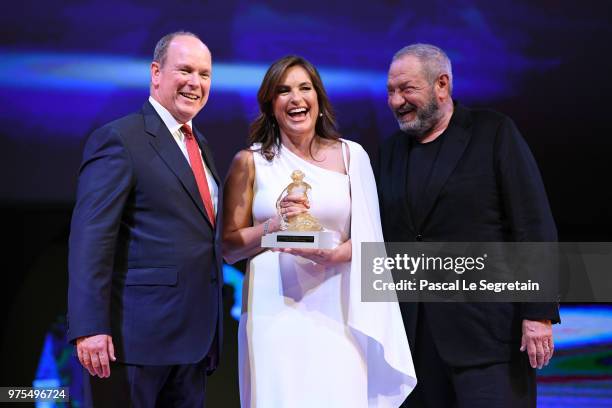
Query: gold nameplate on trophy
(299, 231)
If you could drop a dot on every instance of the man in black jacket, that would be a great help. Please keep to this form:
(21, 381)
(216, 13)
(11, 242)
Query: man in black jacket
(454, 174)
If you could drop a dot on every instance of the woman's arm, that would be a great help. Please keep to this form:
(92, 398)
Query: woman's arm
(240, 238)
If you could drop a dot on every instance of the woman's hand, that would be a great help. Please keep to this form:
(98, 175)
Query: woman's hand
(326, 257)
(289, 206)
(292, 205)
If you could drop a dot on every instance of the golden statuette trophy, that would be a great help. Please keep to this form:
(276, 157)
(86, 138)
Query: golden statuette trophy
(299, 231)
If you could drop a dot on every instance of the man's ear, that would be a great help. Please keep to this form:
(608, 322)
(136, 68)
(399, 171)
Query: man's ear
(442, 86)
(155, 72)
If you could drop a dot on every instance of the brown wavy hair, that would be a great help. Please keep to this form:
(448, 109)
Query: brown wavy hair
(264, 128)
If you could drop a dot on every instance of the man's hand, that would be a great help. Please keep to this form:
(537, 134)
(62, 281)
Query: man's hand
(538, 341)
(94, 353)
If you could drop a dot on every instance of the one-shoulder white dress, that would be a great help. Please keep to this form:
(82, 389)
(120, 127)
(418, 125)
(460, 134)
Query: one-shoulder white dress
(296, 344)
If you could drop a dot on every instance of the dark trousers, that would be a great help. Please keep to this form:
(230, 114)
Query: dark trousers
(147, 387)
(501, 385)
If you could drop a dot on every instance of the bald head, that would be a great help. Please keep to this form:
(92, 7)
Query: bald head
(161, 48)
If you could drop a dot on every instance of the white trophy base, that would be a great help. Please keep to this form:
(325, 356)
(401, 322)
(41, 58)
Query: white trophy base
(298, 239)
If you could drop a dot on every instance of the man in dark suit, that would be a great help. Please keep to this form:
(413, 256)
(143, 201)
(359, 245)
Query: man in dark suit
(454, 174)
(144, 299)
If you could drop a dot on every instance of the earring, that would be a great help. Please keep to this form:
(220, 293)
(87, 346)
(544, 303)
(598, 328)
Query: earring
(320, 114)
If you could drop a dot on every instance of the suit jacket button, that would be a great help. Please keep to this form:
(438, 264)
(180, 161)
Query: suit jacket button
(419, 237)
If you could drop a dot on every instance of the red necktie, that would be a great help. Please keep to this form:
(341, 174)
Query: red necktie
(195, 159)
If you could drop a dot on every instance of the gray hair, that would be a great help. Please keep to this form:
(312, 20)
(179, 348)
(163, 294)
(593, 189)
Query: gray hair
(161, 48)
(435, 62)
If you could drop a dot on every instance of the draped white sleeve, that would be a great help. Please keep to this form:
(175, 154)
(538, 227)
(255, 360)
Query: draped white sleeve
(377, 325)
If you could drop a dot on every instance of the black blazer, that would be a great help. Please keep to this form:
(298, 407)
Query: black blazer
(144, 260)
(485, 187)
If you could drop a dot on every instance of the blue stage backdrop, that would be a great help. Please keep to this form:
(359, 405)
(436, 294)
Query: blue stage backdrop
(67, 67)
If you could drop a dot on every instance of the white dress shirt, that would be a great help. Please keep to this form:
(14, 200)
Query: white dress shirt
(175, 130)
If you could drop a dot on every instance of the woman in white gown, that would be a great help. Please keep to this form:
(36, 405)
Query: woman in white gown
(305, 337)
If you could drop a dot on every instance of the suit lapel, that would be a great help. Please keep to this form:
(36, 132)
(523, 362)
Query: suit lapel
(207, 155)
(456, 138)
(165, 145)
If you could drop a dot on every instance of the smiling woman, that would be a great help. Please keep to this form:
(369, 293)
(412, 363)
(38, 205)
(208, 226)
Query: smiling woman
(302, 308)
(295, 106)
(292, 83)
